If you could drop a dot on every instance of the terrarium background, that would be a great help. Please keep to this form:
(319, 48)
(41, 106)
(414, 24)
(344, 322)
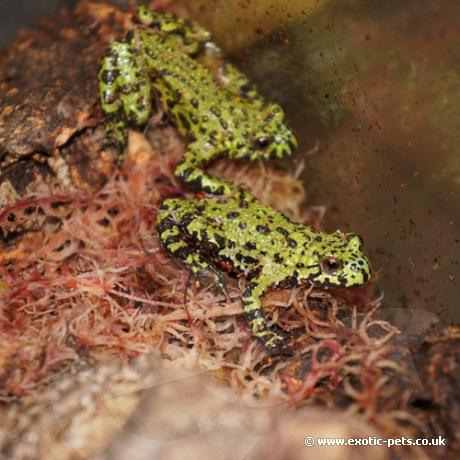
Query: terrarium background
(376, 86)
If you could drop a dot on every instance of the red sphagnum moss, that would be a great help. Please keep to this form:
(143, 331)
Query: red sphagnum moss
(91, 279)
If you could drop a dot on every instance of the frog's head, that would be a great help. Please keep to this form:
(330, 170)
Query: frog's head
(270, 137)
(341, 261)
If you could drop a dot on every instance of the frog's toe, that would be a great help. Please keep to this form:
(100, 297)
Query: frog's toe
(220, 283)
(277, 343)
(217, 278)
(115, 135)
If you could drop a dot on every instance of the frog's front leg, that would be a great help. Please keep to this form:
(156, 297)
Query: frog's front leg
(189, 170)
(172, 239)
(274, 341)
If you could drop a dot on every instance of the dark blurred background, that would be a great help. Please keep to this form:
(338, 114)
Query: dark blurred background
(15, 14)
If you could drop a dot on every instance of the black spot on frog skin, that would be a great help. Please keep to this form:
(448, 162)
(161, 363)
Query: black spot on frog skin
(219, 191)
(171, 239)
(319, 238)
(166, 224)
(204, 235)
(245, 88)
(110, 53)
(300, 265)
(231, 244)
(108, 98)
(155, 24)
(289, 282)
(151, 53)
(246, 259)
(242, 225)
(263, 229)
(182, 253)
(250, 245)
(283, 231)
(233, 214)
(184, 120)
(243, 204)
(185, 174)
(109, 76)
(129, 37)
(216, 111)
(292, 243)
(247, 293)
(219, 240)
(278, 259)
(254, 315)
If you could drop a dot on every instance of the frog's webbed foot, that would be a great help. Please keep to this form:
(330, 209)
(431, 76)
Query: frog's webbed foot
(277, 343)
(274, 339)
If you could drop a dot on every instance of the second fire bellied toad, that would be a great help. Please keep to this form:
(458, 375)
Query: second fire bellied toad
(225, 118)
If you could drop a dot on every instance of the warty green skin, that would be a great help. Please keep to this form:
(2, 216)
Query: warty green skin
(223, 118)
(262, 244)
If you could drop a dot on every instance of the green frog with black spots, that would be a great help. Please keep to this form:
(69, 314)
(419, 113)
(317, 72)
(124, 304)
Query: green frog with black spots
(223, 116)
(252, 239)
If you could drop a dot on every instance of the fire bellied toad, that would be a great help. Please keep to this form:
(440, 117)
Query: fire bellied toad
(223, 118)
(262, 244)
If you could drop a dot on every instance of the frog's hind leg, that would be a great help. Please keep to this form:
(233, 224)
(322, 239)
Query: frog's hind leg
(171, 237)
(109, 92)
(135, 83)
(176, 31)
(124, 89)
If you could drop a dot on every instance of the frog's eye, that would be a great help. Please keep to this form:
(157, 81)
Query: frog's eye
(331, 265)
(262, 142)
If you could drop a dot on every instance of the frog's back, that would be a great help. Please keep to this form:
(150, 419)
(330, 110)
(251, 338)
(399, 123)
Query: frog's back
(187, 90)
(243, 222)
